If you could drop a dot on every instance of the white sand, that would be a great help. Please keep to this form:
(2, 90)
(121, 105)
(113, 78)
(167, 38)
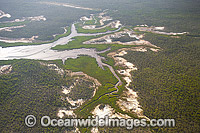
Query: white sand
(77, 103)
(108, 111)
(67, 90)
(95, 130)
(11, 28)
(62, 113)
(129, 100)
(14, 40)
(154, 29)
(3, 14)
(5, 69)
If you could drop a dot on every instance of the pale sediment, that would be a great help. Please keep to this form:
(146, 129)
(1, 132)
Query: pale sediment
(5, 69)
(11, 28)
(63, 112)
(66, 90)
(114, 24)
(157, 30)
(108, 39)
(3, 14)
(15, 40)
(129, 100)
(30, 19)
(107, 110)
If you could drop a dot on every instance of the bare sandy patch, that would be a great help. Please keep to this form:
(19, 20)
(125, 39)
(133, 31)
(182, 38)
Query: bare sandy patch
(108, 39)
(66, 90)
(15, 40)
(3, 14)
(113, 24)
(70, 113)
(76, 103)
(84, 18)
(95, 130)
(129, 100)
(11, 28)
(5, 69)
(31, 19)
(157, 30)
(107, 110)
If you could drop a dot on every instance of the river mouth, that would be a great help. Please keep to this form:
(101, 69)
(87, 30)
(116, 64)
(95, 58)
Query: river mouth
(44, 51)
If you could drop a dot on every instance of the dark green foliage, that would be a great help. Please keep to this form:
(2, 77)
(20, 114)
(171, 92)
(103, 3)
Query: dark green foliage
(82, 89)
(168, 81)
(32, 88)
(29, 89)
(123, 39)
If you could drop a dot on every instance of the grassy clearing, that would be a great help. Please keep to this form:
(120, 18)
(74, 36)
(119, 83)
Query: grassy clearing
(89, 66)
(89, 22)
(78, 43)
(106, 94)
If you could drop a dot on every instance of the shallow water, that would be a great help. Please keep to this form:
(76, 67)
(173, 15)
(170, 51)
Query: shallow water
(44, 51)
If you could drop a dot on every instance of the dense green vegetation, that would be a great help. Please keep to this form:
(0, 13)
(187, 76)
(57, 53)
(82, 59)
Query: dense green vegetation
(89, 66)
(78, 43)
(57, 17)
(168, 81)
(29, 89)
(106, 94)
(90, 22)
(3, 44)
(175, 15)
(125, 38)
(12, 24)
(32, 88)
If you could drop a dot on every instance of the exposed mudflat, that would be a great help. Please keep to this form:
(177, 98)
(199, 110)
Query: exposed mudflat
(44, 51)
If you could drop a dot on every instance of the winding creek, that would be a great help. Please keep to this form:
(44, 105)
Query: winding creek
(44, 51)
